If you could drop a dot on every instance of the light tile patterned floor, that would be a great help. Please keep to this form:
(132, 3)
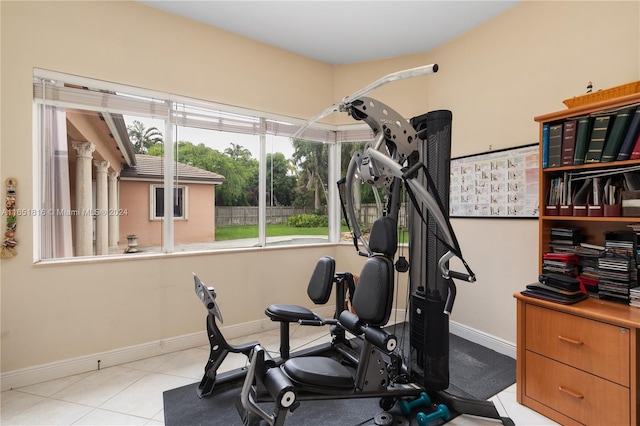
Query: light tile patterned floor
(131, 394)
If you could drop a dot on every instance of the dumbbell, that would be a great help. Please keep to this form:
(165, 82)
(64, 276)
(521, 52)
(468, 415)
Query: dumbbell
(407, 406)
(442, 412)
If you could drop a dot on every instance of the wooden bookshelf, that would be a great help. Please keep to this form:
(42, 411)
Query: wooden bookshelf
(594, 227)
(579, 364)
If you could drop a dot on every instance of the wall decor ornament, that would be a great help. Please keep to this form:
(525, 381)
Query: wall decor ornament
(9, 243)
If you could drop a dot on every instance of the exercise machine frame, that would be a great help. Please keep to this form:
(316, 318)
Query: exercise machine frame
(391, 161)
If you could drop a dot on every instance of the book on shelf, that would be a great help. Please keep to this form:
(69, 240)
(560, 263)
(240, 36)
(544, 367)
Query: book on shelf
(545, 145)
(635, 154)
(568, 141)
(560, 190)
(601, 125)
(583, 131)
(630, 138)
(617, 134)
(597, 193)
(555, 145)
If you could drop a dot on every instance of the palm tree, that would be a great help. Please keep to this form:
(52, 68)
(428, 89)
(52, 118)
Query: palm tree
(312, 160)
(141, 138)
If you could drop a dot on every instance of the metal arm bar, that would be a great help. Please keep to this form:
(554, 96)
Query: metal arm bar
(354, 167)
(341, 106)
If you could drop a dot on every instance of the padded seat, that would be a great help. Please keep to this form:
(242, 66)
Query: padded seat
(319, 371)
(290, 313)
(318, 290)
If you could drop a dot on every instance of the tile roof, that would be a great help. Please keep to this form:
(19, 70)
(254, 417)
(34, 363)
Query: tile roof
(151, 167)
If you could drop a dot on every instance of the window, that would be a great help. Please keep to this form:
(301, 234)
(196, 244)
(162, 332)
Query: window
(157, 202)
(116, 161)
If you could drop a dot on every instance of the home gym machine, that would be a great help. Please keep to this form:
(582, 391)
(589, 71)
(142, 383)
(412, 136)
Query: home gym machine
(414, 155)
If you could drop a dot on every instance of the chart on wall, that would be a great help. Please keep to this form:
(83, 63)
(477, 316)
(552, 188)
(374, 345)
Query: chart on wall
(501, 183)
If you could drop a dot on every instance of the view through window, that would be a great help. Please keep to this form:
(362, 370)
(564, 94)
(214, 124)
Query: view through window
(128, 173)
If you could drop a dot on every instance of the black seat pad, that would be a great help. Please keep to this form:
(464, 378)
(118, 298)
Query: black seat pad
(289, 313)
(319, 371)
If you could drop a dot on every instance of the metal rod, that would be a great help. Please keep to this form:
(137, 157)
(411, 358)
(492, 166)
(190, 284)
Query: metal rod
(389, 78)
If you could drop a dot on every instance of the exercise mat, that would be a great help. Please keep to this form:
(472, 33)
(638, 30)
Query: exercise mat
(475, 372)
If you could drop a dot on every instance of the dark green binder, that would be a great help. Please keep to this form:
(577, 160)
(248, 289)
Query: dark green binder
(555, 145)
(599, 134)
(582, 139)
(616, 136)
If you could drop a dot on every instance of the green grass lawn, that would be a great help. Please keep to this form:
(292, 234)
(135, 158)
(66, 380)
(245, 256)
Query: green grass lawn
(224, 233)
(251, 231)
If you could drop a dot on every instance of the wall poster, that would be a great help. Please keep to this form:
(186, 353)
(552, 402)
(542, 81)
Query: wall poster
(496, 184)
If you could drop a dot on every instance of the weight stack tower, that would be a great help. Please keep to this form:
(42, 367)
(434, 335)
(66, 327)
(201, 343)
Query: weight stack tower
(429, 326)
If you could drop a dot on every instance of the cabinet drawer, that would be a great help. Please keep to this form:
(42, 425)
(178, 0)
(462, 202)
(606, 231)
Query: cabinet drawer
(586, 398)
(593, 346)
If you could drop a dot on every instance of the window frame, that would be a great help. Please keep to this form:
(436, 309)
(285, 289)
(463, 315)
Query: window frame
(160, 107)
(153, 205)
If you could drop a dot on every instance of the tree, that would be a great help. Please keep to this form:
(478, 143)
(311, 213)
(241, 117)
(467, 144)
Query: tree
(281, 189)
(313, 162)
(237, 170)
(143, 139)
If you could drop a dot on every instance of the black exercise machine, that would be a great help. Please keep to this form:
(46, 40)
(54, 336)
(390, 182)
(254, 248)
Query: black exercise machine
(396, 159)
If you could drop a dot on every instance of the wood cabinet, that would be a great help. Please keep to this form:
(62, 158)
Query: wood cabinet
(578, 364)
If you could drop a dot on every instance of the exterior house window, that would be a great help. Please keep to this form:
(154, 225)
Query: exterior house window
(179, 202)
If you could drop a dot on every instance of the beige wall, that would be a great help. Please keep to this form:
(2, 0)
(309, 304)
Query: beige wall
(494, 78)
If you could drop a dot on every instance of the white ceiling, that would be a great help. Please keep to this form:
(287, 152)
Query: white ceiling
(341, 32)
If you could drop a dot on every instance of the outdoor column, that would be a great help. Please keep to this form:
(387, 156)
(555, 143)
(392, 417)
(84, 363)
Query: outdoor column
(114, 216)
(102, 208)
(83, 243)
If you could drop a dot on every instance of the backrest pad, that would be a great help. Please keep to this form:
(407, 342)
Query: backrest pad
(321, 282)
(373, 298)
(384, 236)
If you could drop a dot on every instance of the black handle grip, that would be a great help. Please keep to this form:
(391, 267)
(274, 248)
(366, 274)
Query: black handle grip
(462, 277)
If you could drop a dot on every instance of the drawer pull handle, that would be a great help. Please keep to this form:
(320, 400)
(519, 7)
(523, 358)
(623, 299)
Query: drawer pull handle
(572, 341)
(570, 392)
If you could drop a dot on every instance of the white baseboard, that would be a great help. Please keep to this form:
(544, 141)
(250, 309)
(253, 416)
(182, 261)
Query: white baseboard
(487, 340)
(56, 370)
(68, 367)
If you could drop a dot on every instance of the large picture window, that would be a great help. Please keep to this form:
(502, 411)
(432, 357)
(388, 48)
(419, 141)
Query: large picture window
(117, 163)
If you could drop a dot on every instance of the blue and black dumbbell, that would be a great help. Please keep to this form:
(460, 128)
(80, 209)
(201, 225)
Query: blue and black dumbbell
(407, 406)
(442, 412)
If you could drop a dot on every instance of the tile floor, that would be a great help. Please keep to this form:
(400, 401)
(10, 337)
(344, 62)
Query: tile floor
(131, 394)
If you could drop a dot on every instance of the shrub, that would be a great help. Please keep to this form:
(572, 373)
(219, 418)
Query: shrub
(308, 221)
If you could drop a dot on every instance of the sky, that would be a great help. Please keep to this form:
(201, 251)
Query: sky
(220, 140)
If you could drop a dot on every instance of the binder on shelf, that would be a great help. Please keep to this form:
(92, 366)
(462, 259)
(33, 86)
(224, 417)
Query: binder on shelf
(568, 141)
(555, 145)
(630, 138)
(635, 154)
(616, 136)
(583, 131)
(545, 145)
(599, 134)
